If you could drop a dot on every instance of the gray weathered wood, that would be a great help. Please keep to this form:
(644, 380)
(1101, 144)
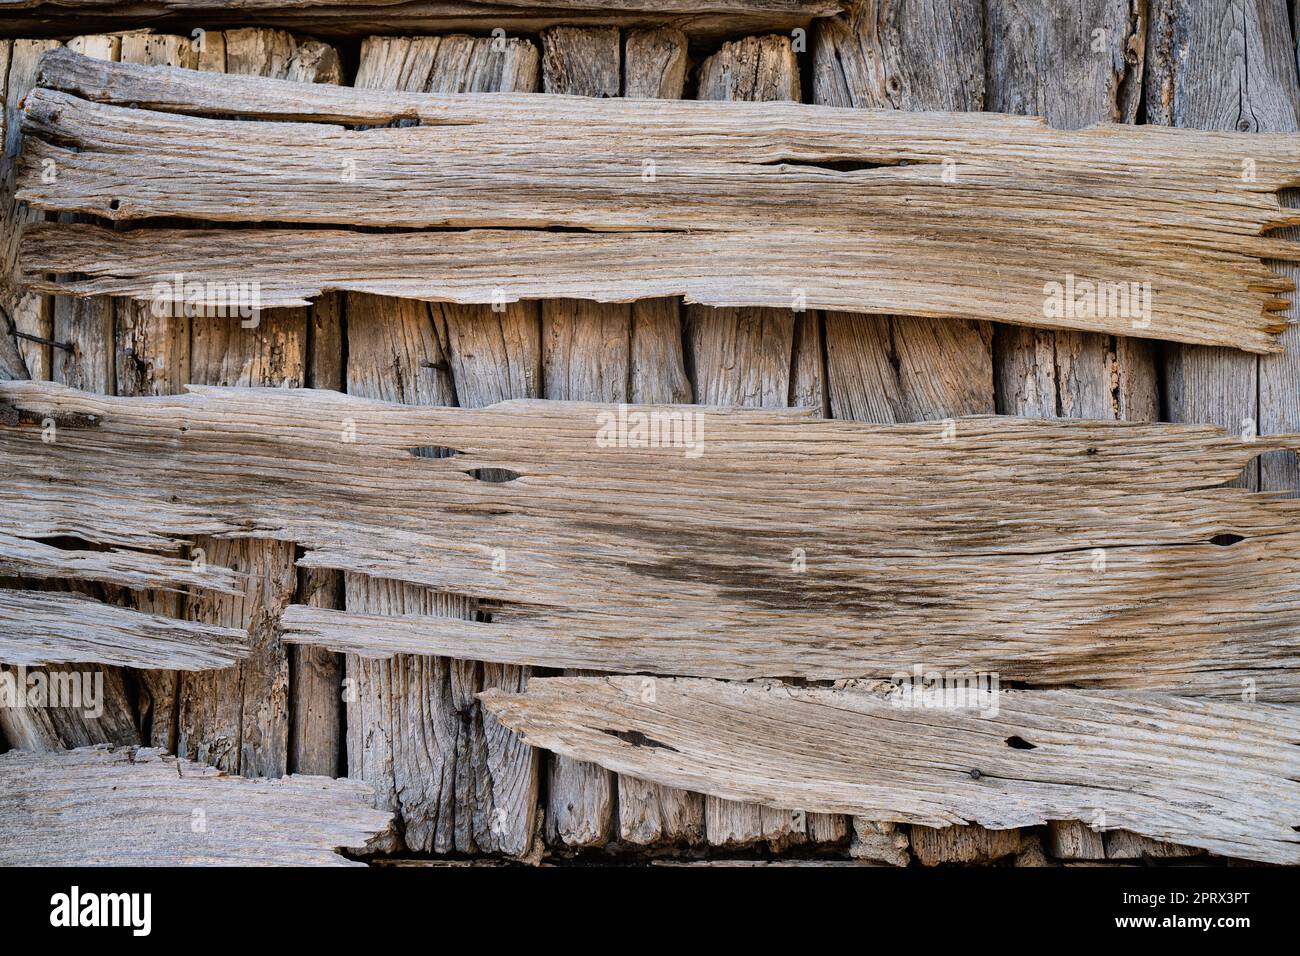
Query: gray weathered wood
(52, 627)
(238, 719)
(706, 21)
(911, 56)
(1222, 66)
(1074, 69)
(458, 781)
(729, 169)
(140, 807)
(855, 750)
(1112, 533)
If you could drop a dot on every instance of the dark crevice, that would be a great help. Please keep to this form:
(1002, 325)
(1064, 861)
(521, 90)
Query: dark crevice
(834, 165)
(1224, 540)
(638, 739)
(1020, 743)
(493, 475)
(434, 451)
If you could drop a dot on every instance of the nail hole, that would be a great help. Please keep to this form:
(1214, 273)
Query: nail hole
(493, 475)
(1223, 540)
(975, 774)
(1020, 743)
(115, 204)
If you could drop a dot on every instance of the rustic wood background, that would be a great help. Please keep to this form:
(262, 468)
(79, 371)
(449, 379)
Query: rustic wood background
(459, 783)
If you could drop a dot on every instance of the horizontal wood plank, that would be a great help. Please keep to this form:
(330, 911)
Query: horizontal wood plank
(778, 544)
(139, 807)
(1215, 775)
(57, 627)
(726, 203)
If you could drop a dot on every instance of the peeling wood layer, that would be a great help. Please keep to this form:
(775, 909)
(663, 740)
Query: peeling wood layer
(1060, 553)
(54, 627)
(1215, 775)
(140, 807)
(879, 211)
(24, 557)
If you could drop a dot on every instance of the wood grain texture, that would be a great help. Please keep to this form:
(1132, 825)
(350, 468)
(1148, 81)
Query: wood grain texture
(24, 313)
(586, 356)
(708, 21)
(1096, 52)
(140, 807)
(748, 357)
(1216, 775)
(1228, 66)
(729, 171)
(52, 627)
(457, 780)
(911, 56)
(1112, 533)
(239, 719)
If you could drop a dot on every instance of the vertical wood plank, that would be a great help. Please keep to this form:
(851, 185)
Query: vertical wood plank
(12, 365)
(26, 314)
(316, 674)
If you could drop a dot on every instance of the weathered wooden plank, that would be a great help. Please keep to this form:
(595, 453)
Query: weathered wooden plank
(705, 21)
(586, 356)
(913, 56)
(746, 357)
(26, 314)
(1194, 240)
(23, 557)
(238, 719)
(457, 780)
(315, 673)
(1220, 66)
(137, 806)
(1096, 53)
(42, 727)
(53, 627)
(1078, 547)
(1045, 755)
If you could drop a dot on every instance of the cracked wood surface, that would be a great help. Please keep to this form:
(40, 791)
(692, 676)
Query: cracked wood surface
(1216, 775)
(52, 627)
(1058, 553)
(887, 235)
(139, 807)
(456, 780)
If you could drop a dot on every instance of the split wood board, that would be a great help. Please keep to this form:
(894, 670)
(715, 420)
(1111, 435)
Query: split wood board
(56, 627)
(1059, 553)
(1134, 230)
(710, 18)
(140, 807)
(1217, 775)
